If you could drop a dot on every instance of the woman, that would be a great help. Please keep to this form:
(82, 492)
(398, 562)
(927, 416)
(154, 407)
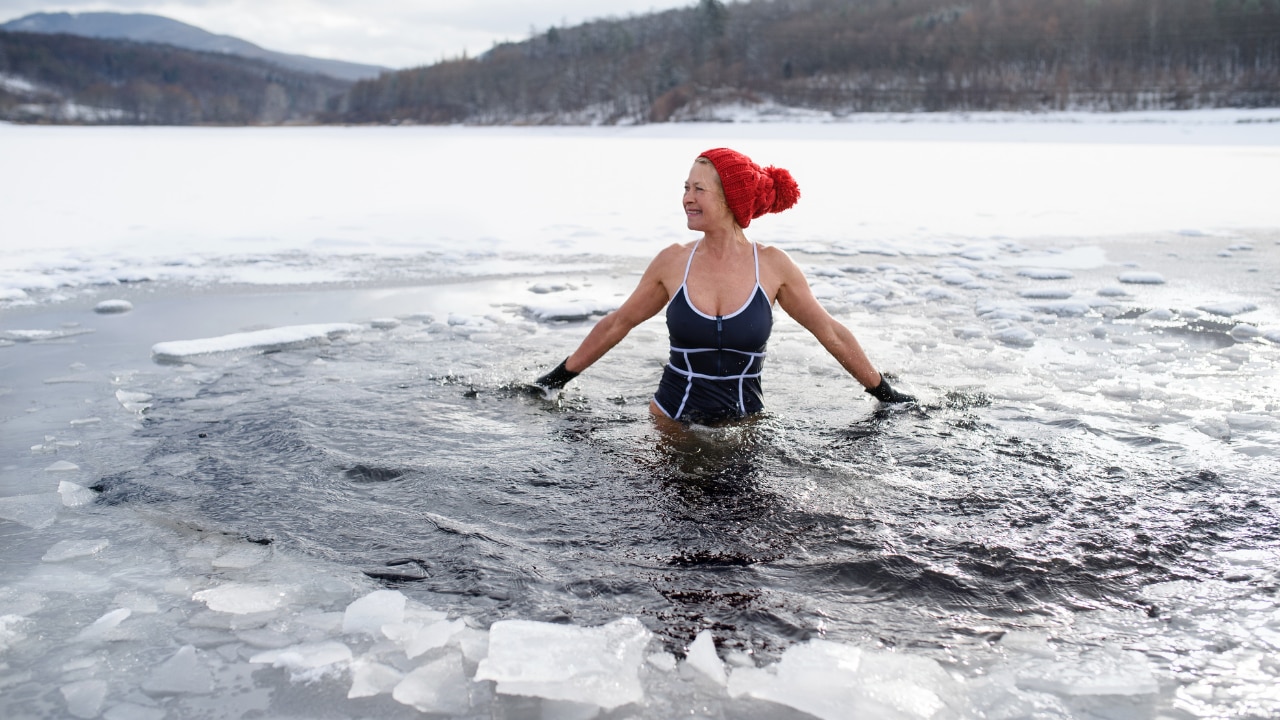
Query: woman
(719, 293)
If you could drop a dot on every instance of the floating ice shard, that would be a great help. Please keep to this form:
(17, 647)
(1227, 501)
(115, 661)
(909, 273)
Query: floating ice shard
(833, 682)
(242, 599)
(1228, 308)
(439, 686)
(593, 665)
(257, 341)
(104, 625)
(368, 614)
(181, 674)
(62, 466)
(418, 639)
(1020, 337)
(1138, 277)
(85, 697)
(74, 495)
(702, 658)
(307, 661)
(1046, 273)
(33, 511)
(1101, 672)
(369, 678)
(113, 307)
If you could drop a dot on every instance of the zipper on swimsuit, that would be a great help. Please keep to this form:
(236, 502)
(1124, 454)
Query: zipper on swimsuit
(719, 345)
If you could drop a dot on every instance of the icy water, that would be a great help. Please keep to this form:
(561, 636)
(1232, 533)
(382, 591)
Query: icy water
(1081, 518)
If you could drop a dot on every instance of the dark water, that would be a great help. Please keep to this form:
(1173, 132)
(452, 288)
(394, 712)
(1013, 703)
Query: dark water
(1095, 496)
(932, 528)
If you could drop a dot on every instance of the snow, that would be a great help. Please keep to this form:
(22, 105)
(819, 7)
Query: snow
(258, 341)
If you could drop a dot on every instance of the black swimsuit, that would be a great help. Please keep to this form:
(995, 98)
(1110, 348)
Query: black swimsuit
(714, 371)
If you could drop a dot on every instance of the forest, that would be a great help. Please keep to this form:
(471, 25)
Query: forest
(834, 56)
(849, 56)
(66, 78)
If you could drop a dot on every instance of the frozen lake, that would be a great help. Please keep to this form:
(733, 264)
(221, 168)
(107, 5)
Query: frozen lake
(265, 451)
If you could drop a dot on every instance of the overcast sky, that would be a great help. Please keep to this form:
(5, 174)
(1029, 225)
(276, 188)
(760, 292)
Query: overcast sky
(394, 33)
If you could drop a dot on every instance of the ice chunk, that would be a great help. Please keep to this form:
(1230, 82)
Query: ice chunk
(1046, 273)
(1228, 308)
(1045, 294)
(439, 686)
(242, 599)
(307, 661)
(74, 495)
(664, 661)
(85, 697)
(1112, 291)
(702, 657)
(104, 625)
(62, 466)
(568, 310)
(369, 678)
(1033, 643)
(11, 630)
(33, 511)
(112, 307)
(181, 674)
(594, 665)
(1244, 331)
(832, 681)
(258, 341)
(1020, 337)
(384, 323)
(368, 614)
(1102, 672)
(956, 277)
(1138, 277)
(416, 639)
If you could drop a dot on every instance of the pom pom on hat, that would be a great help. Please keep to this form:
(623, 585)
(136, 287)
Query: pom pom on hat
(750, 190)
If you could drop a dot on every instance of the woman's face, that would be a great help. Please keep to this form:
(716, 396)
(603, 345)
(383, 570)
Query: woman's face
(704, 204)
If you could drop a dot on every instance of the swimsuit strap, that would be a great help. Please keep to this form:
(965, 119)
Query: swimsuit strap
(689, 264)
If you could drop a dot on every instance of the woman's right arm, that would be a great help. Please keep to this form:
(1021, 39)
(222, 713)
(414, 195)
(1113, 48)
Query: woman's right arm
(650, 296)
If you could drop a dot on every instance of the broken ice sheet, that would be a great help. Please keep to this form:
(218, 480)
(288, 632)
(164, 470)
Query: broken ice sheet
(590, 665)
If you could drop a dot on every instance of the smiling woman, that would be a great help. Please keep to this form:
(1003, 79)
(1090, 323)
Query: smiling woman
(719, 291)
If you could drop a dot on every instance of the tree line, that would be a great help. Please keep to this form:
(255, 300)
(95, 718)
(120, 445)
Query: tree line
(67, 78)
(840, 56)
(847, 56)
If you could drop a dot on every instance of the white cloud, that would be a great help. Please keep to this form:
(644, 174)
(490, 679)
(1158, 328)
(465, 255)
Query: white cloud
(394, 33)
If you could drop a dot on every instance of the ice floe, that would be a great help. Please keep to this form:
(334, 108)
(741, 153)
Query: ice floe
(257, 341)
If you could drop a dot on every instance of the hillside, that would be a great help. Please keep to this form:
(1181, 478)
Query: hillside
(65, 78)
(866, 55)
(156, 29)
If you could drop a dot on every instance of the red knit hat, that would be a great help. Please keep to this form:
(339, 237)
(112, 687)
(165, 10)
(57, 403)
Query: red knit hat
(752, 191)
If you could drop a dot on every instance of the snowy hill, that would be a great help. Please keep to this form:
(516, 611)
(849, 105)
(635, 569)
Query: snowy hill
(145, 28)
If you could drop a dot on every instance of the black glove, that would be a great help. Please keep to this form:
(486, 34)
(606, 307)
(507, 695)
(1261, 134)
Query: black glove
(886, 394)
(557, 378)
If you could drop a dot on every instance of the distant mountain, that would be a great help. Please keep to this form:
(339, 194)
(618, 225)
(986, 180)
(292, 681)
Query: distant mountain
(61, 78)
(144, 28)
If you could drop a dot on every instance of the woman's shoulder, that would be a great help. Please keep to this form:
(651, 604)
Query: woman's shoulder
(775, 258)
